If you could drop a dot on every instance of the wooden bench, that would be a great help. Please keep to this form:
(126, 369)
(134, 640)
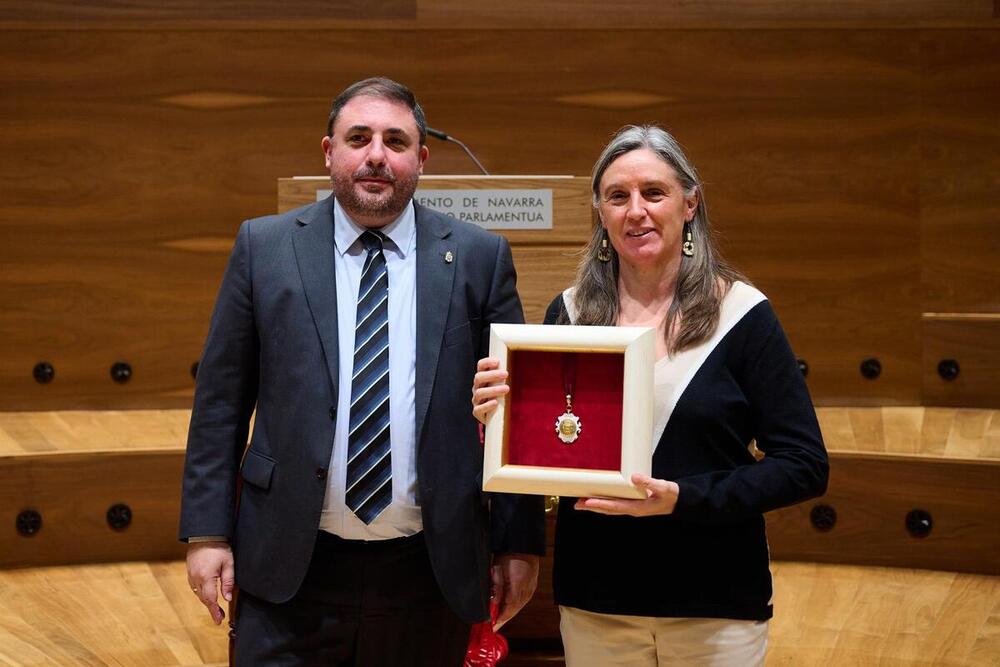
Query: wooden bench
(93, 486)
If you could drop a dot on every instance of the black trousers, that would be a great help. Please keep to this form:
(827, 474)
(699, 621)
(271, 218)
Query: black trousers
(362, 604)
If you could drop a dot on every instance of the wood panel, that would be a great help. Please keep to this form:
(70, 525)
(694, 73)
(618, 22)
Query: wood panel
(960, 126)
(872, 495)
(541, 274)
(109, 13)
(974, 343)
(119, 149)
(73, 493)
(520, 14)
(672, 14)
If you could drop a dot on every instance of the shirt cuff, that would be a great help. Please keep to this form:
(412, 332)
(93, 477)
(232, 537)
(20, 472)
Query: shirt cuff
(207, 538)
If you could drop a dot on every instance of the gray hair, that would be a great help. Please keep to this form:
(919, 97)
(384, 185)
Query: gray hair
(696, 295)
(653, 138)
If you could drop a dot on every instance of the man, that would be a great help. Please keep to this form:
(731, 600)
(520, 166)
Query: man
(353, 326)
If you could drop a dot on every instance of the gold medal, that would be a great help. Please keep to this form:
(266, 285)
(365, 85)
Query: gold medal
(568, 426)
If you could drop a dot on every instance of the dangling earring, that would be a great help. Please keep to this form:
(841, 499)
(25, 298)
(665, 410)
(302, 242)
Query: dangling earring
(604, 254)
(687, 249)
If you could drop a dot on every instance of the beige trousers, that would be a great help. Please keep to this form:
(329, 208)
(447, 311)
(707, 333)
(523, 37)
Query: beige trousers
(610, 640)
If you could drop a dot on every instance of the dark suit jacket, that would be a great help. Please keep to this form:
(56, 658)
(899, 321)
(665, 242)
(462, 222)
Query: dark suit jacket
(272, 345)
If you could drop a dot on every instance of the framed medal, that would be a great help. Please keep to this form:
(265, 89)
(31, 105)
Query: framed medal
(578, 420)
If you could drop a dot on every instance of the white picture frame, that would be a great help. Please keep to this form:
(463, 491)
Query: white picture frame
(638, 346)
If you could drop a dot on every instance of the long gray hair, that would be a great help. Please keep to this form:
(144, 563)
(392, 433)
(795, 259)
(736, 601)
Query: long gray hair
(697, 295)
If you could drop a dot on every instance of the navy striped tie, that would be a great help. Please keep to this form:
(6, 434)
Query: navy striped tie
(369, 463)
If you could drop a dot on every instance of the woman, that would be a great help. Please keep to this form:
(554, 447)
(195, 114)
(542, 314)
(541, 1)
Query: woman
(681, 577)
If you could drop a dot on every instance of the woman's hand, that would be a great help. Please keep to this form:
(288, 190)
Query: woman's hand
(488, 385)
(661, 498)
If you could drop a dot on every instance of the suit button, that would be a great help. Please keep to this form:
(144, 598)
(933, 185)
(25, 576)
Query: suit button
(333, 413)
(320, 473)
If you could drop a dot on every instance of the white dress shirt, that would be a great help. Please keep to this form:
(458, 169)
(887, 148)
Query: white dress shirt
(402, 517)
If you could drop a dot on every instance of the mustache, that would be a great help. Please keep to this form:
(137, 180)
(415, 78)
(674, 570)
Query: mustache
(382, 173)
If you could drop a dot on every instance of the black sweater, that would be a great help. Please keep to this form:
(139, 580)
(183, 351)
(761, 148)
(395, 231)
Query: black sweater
(710, 557)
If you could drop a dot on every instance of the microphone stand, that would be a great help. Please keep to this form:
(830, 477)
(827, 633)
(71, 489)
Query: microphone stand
(438, 134)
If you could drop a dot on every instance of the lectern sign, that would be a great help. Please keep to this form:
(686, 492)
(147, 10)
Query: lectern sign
(491, 209)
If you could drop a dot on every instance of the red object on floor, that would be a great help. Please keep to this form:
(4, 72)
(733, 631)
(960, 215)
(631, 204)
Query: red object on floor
(538, 397)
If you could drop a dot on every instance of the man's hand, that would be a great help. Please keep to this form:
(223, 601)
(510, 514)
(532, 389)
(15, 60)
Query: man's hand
(661, 498)
(514, 579)
(210, 567)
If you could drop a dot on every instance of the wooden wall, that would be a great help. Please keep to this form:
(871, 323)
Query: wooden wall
(850, 151)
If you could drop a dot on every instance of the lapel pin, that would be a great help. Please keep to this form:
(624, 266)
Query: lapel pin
(449, 257)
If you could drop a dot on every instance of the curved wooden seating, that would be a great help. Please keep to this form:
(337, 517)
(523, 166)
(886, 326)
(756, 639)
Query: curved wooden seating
(72, 466)
(916, 430)
(74, 431)
(964, 434)
(894, 465)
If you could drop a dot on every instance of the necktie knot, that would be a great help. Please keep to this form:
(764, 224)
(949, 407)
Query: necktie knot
(372, 241)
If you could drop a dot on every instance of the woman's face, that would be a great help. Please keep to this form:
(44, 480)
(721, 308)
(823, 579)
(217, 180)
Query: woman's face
(643, 208)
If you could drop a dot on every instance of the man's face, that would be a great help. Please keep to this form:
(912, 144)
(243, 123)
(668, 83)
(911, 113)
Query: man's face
(375, 159)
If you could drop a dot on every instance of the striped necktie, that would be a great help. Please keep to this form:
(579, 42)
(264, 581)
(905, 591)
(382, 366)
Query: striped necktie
(369, 463)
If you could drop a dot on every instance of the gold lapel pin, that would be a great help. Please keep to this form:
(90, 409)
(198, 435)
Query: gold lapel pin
(449, 257)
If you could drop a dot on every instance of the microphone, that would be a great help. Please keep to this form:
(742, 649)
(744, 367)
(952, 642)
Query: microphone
(438, 134)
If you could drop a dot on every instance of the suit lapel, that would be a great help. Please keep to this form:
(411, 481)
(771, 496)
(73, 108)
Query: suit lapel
(313, 243)
(435, 277)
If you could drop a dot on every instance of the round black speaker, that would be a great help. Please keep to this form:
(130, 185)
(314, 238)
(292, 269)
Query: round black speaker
(871, 368)
(919, 523)
(948, 369)
(121, 372)
(119, 516)
(823, 517)
(28, 523)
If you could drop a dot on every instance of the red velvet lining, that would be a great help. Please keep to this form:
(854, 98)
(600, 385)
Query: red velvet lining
(537, 398)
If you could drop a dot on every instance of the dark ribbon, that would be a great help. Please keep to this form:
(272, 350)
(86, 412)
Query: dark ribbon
(569, 372)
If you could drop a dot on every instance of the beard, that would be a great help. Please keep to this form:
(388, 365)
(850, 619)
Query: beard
(389, 202)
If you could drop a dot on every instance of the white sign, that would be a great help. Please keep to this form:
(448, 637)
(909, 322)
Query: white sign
(491, 209)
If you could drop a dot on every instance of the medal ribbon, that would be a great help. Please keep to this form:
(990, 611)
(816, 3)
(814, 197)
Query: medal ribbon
(569, 377)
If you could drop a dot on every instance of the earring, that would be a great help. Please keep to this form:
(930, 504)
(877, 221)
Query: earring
(604, 254)
(687, 249)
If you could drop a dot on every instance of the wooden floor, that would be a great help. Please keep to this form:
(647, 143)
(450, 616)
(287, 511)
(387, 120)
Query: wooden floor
(139, 614)
(849, 615)
(935, 432)
(129, 614)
